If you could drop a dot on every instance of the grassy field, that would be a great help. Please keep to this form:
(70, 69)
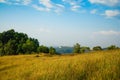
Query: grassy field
(102, 65)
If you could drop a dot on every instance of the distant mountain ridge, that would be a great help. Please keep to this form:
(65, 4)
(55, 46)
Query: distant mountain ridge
(64, 49)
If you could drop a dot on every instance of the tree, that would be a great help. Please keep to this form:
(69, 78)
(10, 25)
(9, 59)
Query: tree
(52, 50)
(76, 48)
(21, 39)
(84, 49)
(29, 46)
(1, 49)
(10, 48)
(97, 48)
(7, 35)
(12, 43)
(36, 44)
(112, 47)
(43, 49)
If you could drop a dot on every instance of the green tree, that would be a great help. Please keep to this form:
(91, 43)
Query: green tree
(52, 50)
(40, 49)
(84, 49)
(43, 49)
(10, 48)
(1, 49)
(21, 39)
(36, 44)
(76, 48)
(112, 47)
(12, 42)
(97, 48)
(7, 35)
(29, 46)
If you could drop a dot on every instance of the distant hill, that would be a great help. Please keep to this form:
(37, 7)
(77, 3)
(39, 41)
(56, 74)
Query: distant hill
(64, 49)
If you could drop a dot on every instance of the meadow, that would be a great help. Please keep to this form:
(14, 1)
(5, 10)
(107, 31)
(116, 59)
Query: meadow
(100, 65)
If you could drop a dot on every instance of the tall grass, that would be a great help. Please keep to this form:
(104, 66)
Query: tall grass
(102, 65)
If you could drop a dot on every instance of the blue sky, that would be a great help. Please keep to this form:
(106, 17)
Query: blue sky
(64, 22)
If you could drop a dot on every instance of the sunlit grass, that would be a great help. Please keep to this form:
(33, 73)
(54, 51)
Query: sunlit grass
(102, 65)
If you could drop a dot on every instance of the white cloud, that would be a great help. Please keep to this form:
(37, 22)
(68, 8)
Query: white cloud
(112, 13)
(16, 2)
(40, 8)
(75, 8)
(26, 2)
(106, 2)
(110, 32)
(75, 4)
(46, 3)
(2, 1)
(93, 11)
(60, 5)
(58, 8)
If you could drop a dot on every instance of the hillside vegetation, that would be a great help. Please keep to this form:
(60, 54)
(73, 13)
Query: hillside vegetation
(100, 65)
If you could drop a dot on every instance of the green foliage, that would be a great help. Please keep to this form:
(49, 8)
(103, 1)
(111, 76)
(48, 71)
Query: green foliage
(1, 49)
(112, 47)
(13, 43)
(76, 48)
(43, 49)
(6, 36)
(84, 49)
(10, 47)
(97, 48)
(29, 46)
(52, 50)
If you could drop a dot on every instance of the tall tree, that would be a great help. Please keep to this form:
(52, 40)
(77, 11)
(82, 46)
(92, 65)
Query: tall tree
(7, 35)
(1, 49)
(76, 48)
(29, 46)
(10, 48)
(52, 50)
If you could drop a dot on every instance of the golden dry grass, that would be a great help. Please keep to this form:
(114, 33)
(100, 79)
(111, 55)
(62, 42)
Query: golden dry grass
(102, 65)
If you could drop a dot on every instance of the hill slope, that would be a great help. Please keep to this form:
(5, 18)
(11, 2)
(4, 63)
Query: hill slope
(103, 65)
(64, 49)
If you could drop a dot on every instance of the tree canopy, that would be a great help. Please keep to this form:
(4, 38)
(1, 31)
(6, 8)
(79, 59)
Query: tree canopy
(97, 48)
(13, 43)
(112, 47)
(76, 48)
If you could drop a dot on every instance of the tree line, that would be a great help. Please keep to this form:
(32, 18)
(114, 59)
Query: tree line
(14, 43)
(81, 49)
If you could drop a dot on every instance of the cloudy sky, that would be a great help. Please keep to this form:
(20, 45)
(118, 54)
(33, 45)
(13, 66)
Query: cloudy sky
(64, 22)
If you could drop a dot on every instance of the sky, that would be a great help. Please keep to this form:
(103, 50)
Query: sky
(64, 22)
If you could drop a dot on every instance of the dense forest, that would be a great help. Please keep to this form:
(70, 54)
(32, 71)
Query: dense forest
(14, 43)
